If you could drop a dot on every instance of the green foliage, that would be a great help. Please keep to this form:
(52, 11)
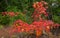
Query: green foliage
(4, 20)
(12, 8)
(25, 8)
(54, 9)
(56, 18)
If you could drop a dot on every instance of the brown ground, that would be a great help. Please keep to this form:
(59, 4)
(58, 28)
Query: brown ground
(4, 34)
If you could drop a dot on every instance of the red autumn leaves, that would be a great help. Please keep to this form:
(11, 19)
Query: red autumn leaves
(10, 13)
(37, 26)
(40, 8)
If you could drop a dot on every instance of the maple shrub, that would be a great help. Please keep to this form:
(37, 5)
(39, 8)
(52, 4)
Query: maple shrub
(39, 24)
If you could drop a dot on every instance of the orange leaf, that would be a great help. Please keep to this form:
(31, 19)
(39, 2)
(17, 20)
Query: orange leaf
(38, 33)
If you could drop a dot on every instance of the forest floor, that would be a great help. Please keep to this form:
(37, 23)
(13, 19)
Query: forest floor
(4, 34)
